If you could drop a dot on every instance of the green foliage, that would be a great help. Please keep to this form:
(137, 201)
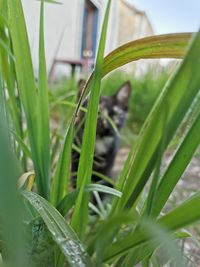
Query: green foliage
(12, 241)
(59, 229)
(31, 100)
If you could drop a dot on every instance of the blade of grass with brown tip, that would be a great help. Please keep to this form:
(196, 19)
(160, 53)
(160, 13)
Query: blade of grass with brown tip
(158, 46)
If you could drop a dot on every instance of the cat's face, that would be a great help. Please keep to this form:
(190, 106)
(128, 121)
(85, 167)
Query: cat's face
(112, 115)
(113, 111)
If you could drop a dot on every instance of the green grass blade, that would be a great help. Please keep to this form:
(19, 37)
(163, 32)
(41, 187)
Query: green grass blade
(60, 181)
(26, 86)
(103, 189)
(1, 5)
(159, 46)
(177, 166)
(4, 46)
(61, 232)
(12, 238)
(156, 175)
(43, 107)
(80, 215)
(23, 64)
(6, 64)
(105, 178)
(178, 94)
(55, 146)
(22, 145)
(177, 218)
(105, 234)
(69, 200)
(7, 69)
(2, 101)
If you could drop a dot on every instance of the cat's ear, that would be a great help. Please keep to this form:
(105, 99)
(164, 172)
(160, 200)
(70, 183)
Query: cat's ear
(123, 94)
(81, 84)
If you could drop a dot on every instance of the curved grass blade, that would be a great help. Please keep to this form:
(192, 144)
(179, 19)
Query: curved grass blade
(177, 218)
(103, 189)
(105, 178)
(69, 200)
(22, 144)
(61, 232)
(158, 46)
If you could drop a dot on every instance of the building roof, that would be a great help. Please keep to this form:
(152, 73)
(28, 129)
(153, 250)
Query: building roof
(138, 11)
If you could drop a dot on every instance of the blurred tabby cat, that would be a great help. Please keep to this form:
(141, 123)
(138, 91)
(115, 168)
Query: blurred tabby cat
(113, 109)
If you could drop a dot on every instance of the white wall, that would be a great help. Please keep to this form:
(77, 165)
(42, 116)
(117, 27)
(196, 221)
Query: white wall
(63, 24)
(113, 25)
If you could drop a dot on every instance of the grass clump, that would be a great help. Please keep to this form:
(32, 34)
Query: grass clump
(132, 228)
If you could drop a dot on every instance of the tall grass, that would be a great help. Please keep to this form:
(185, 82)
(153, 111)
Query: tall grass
(133, 229)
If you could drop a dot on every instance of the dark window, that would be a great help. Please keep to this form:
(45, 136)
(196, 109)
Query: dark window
(90, 27)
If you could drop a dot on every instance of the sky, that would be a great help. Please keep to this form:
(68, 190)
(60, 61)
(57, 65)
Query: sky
(171, 15)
